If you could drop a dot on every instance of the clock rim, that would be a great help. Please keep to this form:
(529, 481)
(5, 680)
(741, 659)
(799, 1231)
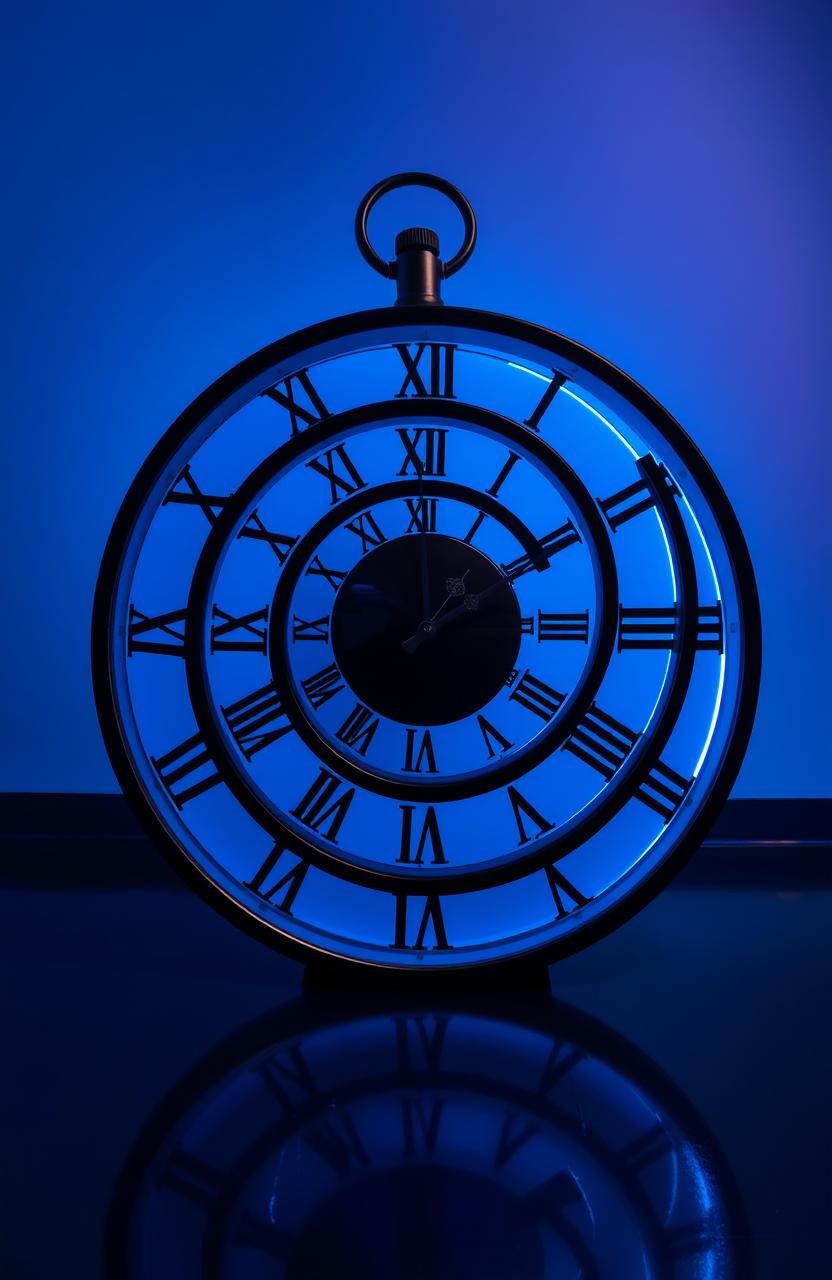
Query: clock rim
(436, 317)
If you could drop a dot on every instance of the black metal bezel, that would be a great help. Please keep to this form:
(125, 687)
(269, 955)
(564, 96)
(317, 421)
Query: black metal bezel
(425, 320)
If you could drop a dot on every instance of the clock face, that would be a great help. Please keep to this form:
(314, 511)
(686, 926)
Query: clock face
(422, 1141)
(426, 644)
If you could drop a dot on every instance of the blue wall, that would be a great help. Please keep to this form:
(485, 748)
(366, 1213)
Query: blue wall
(649, 179)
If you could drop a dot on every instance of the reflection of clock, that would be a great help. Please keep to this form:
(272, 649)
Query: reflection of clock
(425, 637)
(447, 1140)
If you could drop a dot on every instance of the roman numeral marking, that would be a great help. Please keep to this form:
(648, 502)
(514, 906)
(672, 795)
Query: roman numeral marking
(432, 915)
(238, 635)
(169, 629)
(327, 465)
(323, 685)
(416, 1039)
(511, 1142)
(248, 718)
(563, 626)
(536, 696)
(691, 1237)
(559, 886)
(337, 1141)
(286, 394)
(429, 836)
(494, 489)
(266, 886)
(317, 629)
(659, 628)
(632, 501)
(650, 1146)
(280, 543)
(440, 370)
(192, 496)
(492, 735)
(288, 1077)
(520, 806)
(562, 1059)
(604, 743)
(505, 472)
(420, 1127)
(601, 741)
(663, 790)
(195, 1179)
(546, 399)
(566, 536)
(424, 450)
(189, 762)
(422, 515)
(358, 729)
(317, 569)
(366, 528)
(413, 762)
(322, 804)
(478, 519)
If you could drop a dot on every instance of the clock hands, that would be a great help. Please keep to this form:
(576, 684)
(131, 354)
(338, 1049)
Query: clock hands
(423, 543)
(470, 604)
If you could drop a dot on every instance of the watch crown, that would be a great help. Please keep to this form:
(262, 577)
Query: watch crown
(417, 238)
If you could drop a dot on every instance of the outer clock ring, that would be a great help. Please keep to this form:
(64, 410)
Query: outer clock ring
(410, 324)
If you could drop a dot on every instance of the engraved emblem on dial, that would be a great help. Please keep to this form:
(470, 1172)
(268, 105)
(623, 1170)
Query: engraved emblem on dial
(426, 638)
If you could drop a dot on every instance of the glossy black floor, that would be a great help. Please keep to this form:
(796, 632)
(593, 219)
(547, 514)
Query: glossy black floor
(179, 1103)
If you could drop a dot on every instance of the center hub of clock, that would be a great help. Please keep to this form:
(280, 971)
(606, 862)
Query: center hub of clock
(425, 629)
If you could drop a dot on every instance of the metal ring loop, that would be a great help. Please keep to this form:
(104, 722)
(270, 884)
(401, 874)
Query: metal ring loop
(388, 269)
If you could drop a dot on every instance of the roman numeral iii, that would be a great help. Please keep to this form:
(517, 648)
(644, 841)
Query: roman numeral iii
(659, 628)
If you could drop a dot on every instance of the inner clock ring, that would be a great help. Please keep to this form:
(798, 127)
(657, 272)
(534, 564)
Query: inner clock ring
(419, 667)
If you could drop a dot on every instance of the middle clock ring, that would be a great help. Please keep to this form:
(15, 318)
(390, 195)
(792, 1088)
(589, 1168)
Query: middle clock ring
(428, 785)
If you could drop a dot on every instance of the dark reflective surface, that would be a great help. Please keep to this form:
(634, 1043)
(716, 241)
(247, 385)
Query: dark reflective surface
(479, 1135)
(178, 1103)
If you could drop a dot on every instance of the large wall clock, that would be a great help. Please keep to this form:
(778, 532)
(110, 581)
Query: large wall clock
(425, 638)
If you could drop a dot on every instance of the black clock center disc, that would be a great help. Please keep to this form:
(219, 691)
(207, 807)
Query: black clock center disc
(418, 664)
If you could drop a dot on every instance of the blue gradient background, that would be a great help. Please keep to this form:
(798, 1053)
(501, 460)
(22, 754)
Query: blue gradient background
(650, 178)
